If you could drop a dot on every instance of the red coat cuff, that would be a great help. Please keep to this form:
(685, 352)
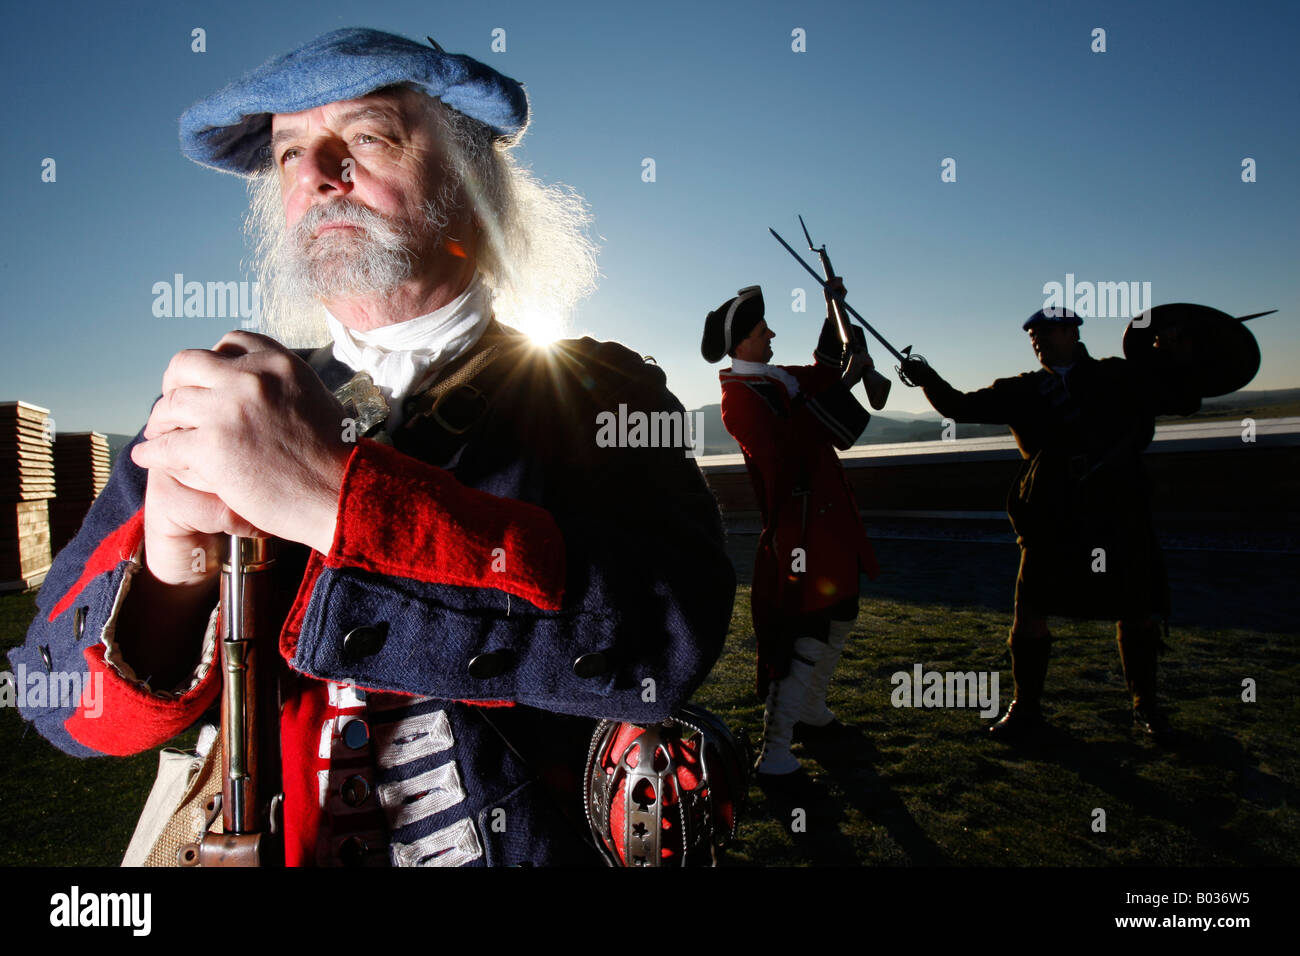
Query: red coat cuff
(399, 516)
(118, 718)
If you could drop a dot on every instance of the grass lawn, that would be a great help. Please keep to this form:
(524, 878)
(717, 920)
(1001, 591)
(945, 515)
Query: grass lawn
(56, 810)
(925, 786)
(919, 786)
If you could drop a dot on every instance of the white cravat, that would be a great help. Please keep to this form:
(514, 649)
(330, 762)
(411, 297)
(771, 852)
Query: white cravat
(400, 356)
(742, 367)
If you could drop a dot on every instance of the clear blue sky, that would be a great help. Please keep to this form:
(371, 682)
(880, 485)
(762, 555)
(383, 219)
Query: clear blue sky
(1115, 166)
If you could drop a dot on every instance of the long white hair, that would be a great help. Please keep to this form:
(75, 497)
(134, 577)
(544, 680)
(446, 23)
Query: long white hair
(534, 253)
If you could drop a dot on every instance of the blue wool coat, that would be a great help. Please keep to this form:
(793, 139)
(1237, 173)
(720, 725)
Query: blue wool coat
(519, 563)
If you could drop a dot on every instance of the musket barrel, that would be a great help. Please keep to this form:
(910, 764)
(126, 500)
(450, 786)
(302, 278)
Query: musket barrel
(248, 711)
(876, 385)
(840, 299)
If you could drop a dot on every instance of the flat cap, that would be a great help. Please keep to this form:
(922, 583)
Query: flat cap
(231, 129)
(1052, 316)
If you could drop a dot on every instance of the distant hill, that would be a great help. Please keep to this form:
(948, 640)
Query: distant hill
(1266, 403)
(890, 426)
(887, 426)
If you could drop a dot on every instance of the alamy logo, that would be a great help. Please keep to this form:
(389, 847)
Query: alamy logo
(651, 430)
(923, 688)
(1098, 300)
(75, 908)
(52, 689)
(211, 300)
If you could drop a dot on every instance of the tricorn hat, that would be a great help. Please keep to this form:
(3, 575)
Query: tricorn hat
(730, 323)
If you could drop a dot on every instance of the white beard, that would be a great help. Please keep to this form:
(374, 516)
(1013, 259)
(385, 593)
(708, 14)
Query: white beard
(377, 257)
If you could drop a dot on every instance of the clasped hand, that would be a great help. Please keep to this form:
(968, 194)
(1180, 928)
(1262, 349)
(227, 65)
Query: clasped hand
(245, 440)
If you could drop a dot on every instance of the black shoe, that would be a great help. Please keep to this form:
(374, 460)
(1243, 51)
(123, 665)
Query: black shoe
(1022, 721)
(782, 783)
(812, 734)
(1152, 722)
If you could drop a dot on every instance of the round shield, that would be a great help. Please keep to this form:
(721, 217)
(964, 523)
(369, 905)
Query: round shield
(1210, 350)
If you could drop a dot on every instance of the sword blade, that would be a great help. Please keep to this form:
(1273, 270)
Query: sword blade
(839, 298)
(806, 236)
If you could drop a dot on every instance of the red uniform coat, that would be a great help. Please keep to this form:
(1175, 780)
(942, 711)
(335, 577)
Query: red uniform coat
(805, 499)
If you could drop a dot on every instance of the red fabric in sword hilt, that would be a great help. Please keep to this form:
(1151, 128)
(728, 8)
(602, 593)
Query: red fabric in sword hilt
(665, 794)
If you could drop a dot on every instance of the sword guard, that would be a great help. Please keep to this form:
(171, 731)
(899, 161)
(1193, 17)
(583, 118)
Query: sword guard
(902, 376)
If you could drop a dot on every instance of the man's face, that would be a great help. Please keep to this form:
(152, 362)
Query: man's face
(757, 346)
(359, 180)
(1053, 343)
